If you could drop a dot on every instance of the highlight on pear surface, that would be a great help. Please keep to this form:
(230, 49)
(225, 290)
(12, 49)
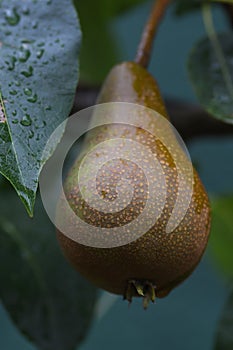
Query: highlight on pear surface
(133, 216)
(152, 263)
(127, 202)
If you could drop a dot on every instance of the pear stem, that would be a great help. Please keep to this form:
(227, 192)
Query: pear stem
(145, 46)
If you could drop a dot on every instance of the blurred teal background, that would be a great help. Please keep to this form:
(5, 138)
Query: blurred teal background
(187, 318)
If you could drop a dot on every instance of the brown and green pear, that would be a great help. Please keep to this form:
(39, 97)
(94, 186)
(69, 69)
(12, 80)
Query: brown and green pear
(156, 261)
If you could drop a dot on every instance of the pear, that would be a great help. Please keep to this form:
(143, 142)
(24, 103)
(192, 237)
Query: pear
(157, 261)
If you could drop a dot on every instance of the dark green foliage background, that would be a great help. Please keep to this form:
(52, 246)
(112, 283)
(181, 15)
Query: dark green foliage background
(195, 307)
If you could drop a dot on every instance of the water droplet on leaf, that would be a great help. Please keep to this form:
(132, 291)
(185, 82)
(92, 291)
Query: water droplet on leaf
(34, 24)
(28, 73)
(27, 91)
(31, 135)
(32, 99)
(11, 63)
(27, 41)
(26, 121)
(12, 17)
(13, 92)
(25, 10)
(24, 55)
(39, 53)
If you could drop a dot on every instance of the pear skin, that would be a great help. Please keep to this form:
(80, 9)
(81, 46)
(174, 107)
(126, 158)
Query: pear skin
(156, 262)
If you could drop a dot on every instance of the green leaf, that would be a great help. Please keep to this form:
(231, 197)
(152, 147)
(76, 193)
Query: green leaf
(221, 238)
(224, 336)
(48, 301)
(99, 50)
(39, 43)
(117, 7)
(210, 66)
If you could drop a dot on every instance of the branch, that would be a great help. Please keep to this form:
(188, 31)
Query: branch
(190, 120)
(146, 43)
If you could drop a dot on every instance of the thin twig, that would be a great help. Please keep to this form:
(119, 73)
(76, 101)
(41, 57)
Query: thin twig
(145, 45)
